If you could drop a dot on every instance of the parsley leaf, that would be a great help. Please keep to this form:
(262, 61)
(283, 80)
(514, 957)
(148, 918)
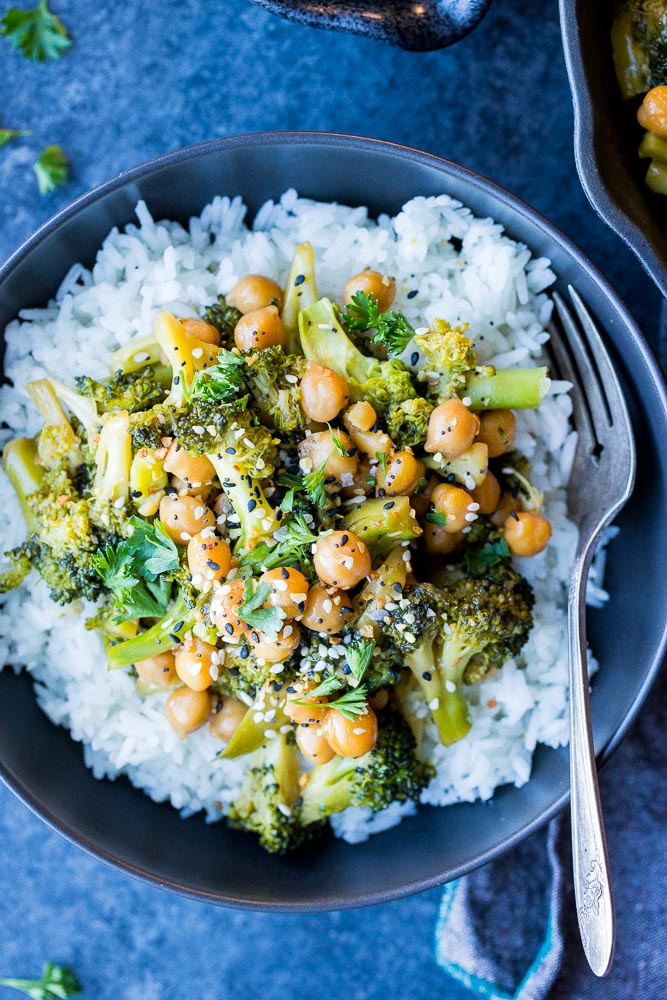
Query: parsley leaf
(437, 517)
(392, 329)
(221, 382)
(51, 168)
(38, 33)
(7, 134)
(291, 546)
(338, 444)
(358, 655)
(479, 559)
(328, 686)
(313, 483)
(351, 704)
(266, 620)
(58, 982)
(133, 571)
(381, 458)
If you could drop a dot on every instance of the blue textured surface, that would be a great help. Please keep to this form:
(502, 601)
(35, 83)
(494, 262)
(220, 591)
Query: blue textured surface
(146, 77)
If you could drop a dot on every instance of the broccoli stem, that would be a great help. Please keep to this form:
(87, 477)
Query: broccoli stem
(82, 407)
(57, 439)
(435, 675)
(323, 339)
(381, 522)
(19, 461)
(257, 516)
(507, 389)
(113, 460)
(160, 638)
(140, 352)
(322, 796)
(300, 293)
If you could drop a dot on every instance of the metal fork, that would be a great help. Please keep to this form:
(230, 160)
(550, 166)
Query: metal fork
(602, 479)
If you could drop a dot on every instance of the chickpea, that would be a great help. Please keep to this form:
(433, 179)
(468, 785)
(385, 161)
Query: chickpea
(158, 671)
(379, 700)
(314, 745)
(440, 542)
(195, 664)
(327, 610)
(454, 503)
(198, 329)
(527, 533)
(497, 430)
(304, 714)
(402, 474)
(487, 494)
(278, 649)
(289, 590)
(371, 443)
(261, 328)
(320, 448)
(207, 493)
(351, 737)
(507, 504)
(187, 710)
(324, 392)
(224, 611)
(194, 470)
(652, 113)
(361, 416)
(254, 292)
(209, 559)
(184, 517)
(341, 559)
(380, 286)
(227, 719)
(451, 429)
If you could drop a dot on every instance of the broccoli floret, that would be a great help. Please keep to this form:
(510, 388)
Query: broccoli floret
(148, 428)
(224, 318)
(243, 677)
(131, 391)
(390, 772)
(324, 657)
(323, 339)
(290, 546)
(273, 377)
(267, 805)
(57, 441)
(382, 522)
(447, 356)
(459, 634)
(300, 293)
(21, 559)
(407, 422)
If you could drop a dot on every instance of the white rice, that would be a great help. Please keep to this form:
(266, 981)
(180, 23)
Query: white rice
(492, 283)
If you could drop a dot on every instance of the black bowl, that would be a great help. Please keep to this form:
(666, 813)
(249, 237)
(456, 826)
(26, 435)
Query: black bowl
(117, 823)
(607, 137)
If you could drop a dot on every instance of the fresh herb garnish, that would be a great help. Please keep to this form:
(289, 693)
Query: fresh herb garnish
(221, 382)
(313, 483)
(391, 329)
(266, 620)
(358, 655)
(352, 703)
(38, 33)
(381, 458)
(133, 571)
(292, 545)
(58, 982)
(328, 686)
(7, 134)
(338, 444)
(51, 168)
(479, 559)
(437, 517)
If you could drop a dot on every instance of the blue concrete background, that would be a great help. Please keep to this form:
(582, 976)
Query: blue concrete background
(146, 77)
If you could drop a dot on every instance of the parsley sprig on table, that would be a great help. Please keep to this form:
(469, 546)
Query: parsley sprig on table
(133, 571)
(392, 329)
(7, 134)
(37, 33)
(58, 982)
(52, 169)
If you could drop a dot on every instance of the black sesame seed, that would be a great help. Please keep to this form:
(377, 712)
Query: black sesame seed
(229, 629)
(244, 652)
(251, 505)
(299, 280)
(175, 638)
(284, 573)
(411, 294)
(426, 675)
(212, 565)
(514, 515)
(414, 358)
(230, 451)
(344, 539)
(178, 626)
(388, 505)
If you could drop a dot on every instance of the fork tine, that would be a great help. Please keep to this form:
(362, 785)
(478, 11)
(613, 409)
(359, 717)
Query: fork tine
(611, 385)
(588, 374)
(559, 346)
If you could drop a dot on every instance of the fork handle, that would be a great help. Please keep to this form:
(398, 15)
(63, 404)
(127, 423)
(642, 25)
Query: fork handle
(592, 884)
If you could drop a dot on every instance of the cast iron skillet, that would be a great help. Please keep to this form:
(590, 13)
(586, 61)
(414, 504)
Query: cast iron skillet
(606, 138)
(113, 821)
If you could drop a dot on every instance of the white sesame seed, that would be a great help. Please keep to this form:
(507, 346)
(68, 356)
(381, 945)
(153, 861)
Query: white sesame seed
(270, 716)
(391, 606)
(214, 672)
(195, 668)
(469, 482)
(200, 512)
(358, 731)
(197, 352)
(198, 429)
(258, 717)
(287, 631)
(285, 729)
(410, 637)
(327, 605)
(471, 516)
(410, 619)
(270, 734)
(467, 401)
(473, 506)
(465, 531)
(260, 463)
(141, 356)
(299, 598)
(238, 434)
(450, 686)
(208, 531)
(185, 536)
(347, 562)
(434, 704)
(292, 379)
(280, 584)
(277, 668)
(285, 809)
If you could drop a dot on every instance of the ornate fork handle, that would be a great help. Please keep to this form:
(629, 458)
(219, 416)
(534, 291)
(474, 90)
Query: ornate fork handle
(592, 884)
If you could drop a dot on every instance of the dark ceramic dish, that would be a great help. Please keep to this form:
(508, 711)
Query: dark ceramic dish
(113, 821)
(607, 136)
(432, 24)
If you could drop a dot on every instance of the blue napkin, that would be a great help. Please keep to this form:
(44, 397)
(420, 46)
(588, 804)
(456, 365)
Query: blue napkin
(498, 931)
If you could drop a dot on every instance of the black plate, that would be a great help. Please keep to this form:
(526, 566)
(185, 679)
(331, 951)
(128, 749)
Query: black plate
(607, 136)
(119, 824)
